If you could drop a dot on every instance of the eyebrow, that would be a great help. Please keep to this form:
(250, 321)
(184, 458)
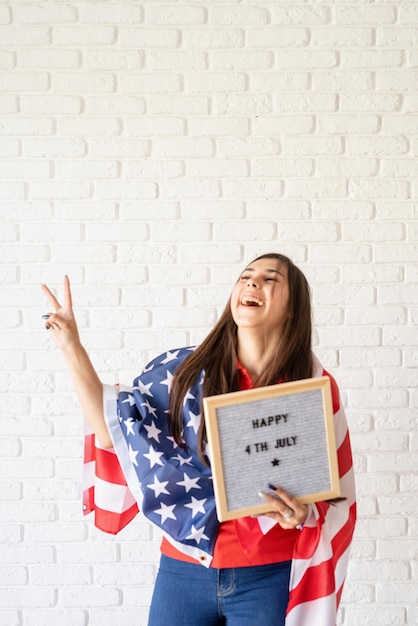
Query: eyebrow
(271, 271)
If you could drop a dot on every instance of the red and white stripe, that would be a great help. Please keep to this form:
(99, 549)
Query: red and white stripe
(105, 491)
(320, 561)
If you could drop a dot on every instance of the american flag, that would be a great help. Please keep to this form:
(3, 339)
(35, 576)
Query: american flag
(147, 471)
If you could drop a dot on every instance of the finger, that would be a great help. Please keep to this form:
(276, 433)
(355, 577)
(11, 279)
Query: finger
(288, 514)
(50, 297)
(285, 523)
(277, 505)
(284, 496)
(53, 321)
(300, 510)
(296, 512)
(68, 301)
(286, 509)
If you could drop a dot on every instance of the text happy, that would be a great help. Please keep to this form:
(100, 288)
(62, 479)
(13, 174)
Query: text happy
(271, 420)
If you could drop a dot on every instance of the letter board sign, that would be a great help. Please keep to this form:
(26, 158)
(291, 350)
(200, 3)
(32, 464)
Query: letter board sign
(281, 434)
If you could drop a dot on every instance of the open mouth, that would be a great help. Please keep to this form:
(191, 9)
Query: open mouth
(251, 301)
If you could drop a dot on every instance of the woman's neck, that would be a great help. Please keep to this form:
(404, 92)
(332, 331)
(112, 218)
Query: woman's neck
(255, 351)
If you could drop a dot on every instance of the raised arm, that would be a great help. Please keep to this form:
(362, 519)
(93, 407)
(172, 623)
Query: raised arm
(63, 328)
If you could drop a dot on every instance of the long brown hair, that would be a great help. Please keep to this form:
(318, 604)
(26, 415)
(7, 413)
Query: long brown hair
(217, 354)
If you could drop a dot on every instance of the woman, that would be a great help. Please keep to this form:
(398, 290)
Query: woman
(287, 567)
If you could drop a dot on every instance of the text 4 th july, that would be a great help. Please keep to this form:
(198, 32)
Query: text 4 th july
(264, 445)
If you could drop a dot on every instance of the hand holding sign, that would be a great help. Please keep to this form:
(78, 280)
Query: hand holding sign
(285, 509)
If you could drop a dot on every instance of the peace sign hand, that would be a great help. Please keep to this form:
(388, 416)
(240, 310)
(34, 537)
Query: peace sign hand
(61, 322)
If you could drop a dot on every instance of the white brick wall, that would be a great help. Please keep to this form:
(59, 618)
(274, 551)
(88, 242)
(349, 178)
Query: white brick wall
(148, 149)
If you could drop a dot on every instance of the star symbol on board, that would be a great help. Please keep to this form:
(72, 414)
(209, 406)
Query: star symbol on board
(159, 487)
(144, 389)
(194, 421)
(275, 462)
(154, 457)
(170, 356)
(151, 410)
(129, 423)
(132, 455)
(196, 506)
(166, 512)
(168, 381)
(189, 483)
(197, 534)
(153, 432)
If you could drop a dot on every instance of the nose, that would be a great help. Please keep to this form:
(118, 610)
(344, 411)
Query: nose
(252, 282)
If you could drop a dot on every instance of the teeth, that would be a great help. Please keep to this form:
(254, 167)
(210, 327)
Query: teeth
(251, 300)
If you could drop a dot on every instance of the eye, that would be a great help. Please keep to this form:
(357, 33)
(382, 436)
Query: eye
(245, 277)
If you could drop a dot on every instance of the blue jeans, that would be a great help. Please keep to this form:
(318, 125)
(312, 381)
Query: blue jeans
(186, 594)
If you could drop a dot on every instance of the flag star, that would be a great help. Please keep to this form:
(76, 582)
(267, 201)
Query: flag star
(189, 483)
(159, 487)
(183, 461)
(188, 396)
(154, 457)
(170, 356)
(194, 421)
(166, 512)
(129, 399)
(197, 534)
(197, 506)
(148, 369)
(133, 454)
(144, 389)
(129, 423)
(151, 410)
(168, 381)
(153, 432)
(173, 441)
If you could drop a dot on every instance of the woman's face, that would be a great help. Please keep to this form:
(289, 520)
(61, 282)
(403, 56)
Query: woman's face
(260, 297)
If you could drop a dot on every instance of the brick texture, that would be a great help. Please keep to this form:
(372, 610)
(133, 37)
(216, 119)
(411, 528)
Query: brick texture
(148, 150)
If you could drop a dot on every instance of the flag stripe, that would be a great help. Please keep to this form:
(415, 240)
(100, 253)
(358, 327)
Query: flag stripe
(344, 456)
(321, 556)
(306, 613)
(113, 523)
(318, 579)
(89, 446)
(342, 539)
(115, 498)
(108, 467)
(105, 489)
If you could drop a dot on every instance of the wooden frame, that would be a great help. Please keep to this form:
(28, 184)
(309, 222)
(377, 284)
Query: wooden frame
(281, 435)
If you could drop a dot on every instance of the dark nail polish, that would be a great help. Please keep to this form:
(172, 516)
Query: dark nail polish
(45, 317)
(273, 487)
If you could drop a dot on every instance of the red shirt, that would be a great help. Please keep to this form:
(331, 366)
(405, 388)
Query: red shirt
(277, 545)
